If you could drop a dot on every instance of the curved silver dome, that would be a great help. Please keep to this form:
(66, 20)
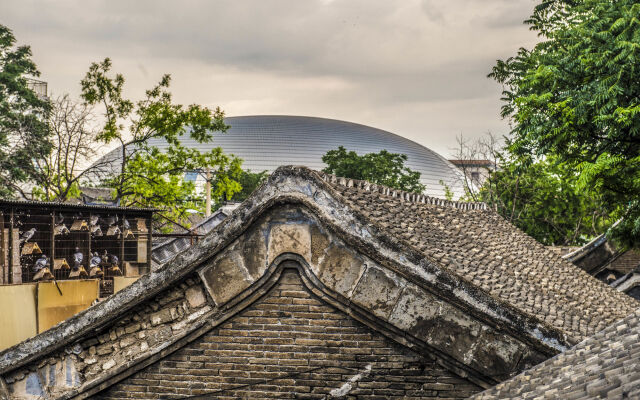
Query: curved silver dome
(266, 142)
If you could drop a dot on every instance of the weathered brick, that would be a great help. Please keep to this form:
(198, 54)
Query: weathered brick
(104, 349)
(132, 328)
(161, 317)
(288, 331)
(127, 341)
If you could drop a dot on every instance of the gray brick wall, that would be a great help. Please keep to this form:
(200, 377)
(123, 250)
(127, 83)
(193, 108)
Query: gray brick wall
(290, 344)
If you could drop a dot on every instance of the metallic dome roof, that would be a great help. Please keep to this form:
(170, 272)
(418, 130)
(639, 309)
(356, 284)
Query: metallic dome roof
(266, 142)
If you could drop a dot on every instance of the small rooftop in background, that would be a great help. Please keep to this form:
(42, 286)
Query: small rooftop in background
(97, 196)
(69, 205)
(473, 163)
(477, 171)
(38, 86)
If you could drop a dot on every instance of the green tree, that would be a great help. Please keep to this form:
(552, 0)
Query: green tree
(576, 97)
(249, 182)
(544, 200)
(383, 168)
(540, 196)
(148, 176)
(23, 128)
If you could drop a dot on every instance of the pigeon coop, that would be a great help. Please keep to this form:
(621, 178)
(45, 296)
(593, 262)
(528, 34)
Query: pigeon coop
(72, 241)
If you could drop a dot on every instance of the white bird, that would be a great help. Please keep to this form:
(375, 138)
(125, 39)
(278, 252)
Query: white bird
(95, 260)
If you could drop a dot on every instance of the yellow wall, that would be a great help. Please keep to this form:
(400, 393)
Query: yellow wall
(77, 295)
(121, 282)
(18, 314)
(32, 308)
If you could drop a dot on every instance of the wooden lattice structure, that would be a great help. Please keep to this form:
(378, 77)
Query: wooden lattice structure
(109, 241)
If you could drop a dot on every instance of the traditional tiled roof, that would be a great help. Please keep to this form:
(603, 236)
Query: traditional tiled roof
(462, 252)
(162, 252)
(71, 206)
(480, 246)
(625, 262)
(607, 365)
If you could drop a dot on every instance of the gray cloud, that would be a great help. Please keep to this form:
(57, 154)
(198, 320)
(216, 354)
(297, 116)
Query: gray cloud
(415, 67)
(431, 10)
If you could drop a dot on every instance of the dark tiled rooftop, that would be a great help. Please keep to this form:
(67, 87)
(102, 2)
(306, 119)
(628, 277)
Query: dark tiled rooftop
(606, 365)
(480, 246)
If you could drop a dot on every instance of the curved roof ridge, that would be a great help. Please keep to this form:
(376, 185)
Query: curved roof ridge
(186, 262)
(494, 255)
(402, 194)
(477, 260)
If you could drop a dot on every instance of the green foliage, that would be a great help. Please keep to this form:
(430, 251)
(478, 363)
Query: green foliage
(150, 177)
(383, 168)
(72, 189)
(23, 128)
(544, 200)
(448, 193)
(249, 182)
(576, 96)
(541, 196)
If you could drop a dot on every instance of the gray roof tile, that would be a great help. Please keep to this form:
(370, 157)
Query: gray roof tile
(480, 246)
(606, 365)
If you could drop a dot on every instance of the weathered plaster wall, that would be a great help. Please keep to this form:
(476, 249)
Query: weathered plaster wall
(290, 344)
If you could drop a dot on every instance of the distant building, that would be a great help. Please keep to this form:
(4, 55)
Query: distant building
(266, 142)
(477, 171)
(38, 86)
(602, 259)
(97, 196)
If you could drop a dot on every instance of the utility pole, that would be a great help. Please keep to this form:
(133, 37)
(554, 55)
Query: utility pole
(207, 188)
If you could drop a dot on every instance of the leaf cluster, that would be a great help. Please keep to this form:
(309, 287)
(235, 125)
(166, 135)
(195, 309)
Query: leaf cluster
(575, 96)
(23, 127)
(148, 176)
(543, 198)
(249, 181)
(384, 168)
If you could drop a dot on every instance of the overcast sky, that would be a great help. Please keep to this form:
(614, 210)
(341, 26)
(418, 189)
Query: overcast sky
(415, 68)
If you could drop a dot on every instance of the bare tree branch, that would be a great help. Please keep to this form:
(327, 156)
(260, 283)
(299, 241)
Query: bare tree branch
(75, 145)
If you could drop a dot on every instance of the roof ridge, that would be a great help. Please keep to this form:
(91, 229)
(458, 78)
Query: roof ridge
(62, 204)
(402, 194)
(273, 191)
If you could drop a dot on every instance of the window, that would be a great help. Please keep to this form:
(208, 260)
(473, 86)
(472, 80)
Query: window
(191, 176)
